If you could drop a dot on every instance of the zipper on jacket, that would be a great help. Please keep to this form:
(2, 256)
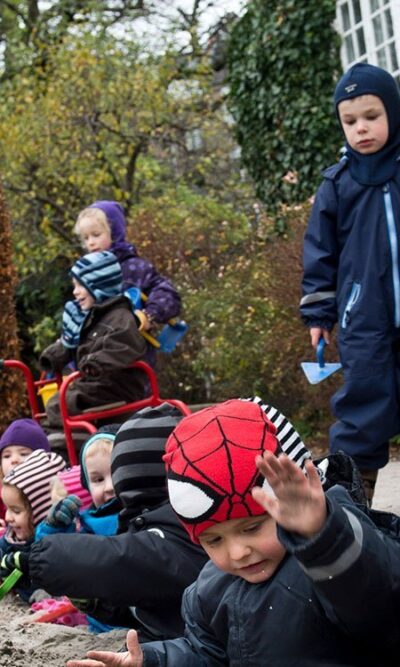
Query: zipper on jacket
(354, 294)
(394, 251)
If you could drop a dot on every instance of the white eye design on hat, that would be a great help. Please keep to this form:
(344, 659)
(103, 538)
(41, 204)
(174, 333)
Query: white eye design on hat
(194, 501)
(190, 500)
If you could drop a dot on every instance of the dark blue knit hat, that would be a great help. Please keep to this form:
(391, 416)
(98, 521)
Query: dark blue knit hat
(100, 273)
(365, 79)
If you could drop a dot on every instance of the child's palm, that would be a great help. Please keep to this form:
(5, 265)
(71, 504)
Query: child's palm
(133, 657)
(299, 504)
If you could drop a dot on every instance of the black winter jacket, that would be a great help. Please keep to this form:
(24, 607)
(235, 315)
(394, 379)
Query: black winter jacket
(109, 342)
(333, 602)
(145, 569)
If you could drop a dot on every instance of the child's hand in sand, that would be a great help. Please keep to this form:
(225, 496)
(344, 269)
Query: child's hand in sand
(299, 504)
(133, 657)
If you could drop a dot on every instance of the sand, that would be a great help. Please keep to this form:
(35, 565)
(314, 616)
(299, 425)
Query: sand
(45, 644)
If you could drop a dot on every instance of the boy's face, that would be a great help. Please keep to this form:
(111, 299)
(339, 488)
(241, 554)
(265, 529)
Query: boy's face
(94, 235)
(365, 124)
(12, 456)
(84, 298)
(247, 548)
(98, 467)
(17, 515)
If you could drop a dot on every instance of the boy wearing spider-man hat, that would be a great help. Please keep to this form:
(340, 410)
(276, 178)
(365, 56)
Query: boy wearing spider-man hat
(297, 576)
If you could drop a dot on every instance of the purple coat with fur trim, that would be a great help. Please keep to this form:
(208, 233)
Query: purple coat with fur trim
(163, 301)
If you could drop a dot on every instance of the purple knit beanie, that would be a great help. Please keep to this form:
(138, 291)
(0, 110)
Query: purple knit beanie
(24, 433)
(115, 217)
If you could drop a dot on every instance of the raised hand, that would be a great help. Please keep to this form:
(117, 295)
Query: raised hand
(133, 657)
(64, 512)
(299, 504)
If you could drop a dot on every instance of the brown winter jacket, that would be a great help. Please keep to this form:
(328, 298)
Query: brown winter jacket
(109, 342)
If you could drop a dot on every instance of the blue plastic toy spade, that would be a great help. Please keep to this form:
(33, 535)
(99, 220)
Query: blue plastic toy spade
(316, 372)
(171, 333)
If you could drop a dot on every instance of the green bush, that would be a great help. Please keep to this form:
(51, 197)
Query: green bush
(283, 61)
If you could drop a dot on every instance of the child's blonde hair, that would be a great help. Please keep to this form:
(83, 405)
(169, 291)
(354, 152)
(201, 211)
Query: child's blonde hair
(101, 445)
(95, 214)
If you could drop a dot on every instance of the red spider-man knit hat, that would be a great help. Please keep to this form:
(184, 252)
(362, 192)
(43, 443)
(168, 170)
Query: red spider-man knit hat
(210, 462)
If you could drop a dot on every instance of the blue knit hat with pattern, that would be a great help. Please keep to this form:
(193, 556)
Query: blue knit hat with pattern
(100, 273)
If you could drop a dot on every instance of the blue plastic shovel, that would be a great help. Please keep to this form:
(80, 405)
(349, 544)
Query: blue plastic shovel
(316, 372)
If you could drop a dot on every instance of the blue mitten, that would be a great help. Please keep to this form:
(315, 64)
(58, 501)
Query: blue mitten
(64, 512)
(73, 319)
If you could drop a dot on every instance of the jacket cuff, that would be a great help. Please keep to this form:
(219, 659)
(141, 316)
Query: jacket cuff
(323, 324)
(333, 550)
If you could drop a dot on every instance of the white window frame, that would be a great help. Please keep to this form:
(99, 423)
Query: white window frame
(366, 23)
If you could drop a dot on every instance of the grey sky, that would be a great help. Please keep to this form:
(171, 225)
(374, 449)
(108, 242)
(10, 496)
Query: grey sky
(212, 10)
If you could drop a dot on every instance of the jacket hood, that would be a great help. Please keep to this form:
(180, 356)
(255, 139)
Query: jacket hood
(115, 216)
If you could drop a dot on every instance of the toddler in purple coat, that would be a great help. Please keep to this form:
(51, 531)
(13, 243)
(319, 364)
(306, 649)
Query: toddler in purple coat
(102, 226)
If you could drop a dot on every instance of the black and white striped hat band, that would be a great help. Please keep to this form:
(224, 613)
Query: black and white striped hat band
(287, 436)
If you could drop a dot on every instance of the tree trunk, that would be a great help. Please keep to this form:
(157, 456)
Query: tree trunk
(12, 385)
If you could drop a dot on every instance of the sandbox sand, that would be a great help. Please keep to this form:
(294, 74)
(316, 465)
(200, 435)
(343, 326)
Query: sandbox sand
(45, 644)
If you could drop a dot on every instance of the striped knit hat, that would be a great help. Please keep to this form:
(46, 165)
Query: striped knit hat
(33, 477)
(137, 468)
(100, 273)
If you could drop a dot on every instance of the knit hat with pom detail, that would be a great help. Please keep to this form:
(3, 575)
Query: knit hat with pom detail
(210, 462)
(33, 478)
(137, 468)
(100, 273)
(24, 433)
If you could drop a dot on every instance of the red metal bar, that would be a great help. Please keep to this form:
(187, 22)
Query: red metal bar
(30, 385)
(84, 421)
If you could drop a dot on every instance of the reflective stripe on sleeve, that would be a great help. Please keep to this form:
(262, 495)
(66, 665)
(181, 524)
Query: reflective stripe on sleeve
(317, 296)
(345, 560)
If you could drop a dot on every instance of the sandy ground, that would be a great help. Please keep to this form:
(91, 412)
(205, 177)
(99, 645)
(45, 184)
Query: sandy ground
(45, 644)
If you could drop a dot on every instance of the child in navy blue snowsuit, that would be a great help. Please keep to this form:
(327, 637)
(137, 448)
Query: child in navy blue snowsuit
(102, 226)
(351, 267)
